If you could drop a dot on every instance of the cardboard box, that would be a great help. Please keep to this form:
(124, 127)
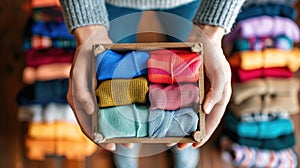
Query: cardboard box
(196, 136)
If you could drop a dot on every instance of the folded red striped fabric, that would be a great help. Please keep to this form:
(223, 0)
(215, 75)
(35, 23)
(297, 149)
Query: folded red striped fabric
(173, 66)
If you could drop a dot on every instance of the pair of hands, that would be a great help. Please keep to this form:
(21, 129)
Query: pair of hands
(82, 81)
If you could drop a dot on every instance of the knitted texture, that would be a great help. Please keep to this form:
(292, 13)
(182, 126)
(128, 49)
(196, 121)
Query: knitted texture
(255, 43)
(277, 72)
(47, 14)
(173, 66)
(35, 58)
(279, 143)
(81, 13)
(55, 130)
(46, 72)
(119, 92)
(270, 103)
(123, 121)
(249, 60)
(270, 26)
(44, 42)
(250, 105)
(51, 29)
(39, 149)
(112, 65)
(44, 3)
(43, 93)
(254, 157)
(267, 9)
(260, 130)
(271, 86)
(173, 97)
(261, 2)
(209, 13)
(263, 116)
(179, 123)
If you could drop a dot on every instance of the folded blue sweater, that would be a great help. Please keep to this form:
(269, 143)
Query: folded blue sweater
(178, 123)
(113, 65)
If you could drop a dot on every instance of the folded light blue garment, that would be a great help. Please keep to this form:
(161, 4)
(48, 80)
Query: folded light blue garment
(123, 121)
(178, 123)
(262, 129)
(112, 65)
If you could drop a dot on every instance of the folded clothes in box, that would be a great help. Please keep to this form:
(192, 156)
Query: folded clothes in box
(149, 92)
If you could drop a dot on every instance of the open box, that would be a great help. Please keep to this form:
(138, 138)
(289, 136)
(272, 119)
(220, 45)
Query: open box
(195, 136)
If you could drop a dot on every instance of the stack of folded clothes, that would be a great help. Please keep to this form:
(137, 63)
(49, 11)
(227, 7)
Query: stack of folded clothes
(147, 93)
(263, 59)
(49, 51)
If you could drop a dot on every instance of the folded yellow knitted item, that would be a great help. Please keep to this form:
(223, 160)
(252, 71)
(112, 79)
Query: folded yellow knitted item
(117, 92)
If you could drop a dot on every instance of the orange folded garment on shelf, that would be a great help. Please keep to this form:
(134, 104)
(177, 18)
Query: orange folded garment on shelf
(38, 149)
(249, 60)
(44, 3)
(55, 130)
(46, 72)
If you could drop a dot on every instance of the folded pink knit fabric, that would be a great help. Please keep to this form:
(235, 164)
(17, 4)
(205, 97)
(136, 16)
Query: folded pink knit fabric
(46, 72)
(171, 66)
(173, 97)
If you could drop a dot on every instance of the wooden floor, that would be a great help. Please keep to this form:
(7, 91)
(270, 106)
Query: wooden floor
(12, 22)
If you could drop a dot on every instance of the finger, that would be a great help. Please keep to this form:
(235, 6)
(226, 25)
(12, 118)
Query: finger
(196, 145)
(83, 82)
(109, 146)
(215, 93)
(214, 118)
(171, 144)
(128, 145)
(183, 145)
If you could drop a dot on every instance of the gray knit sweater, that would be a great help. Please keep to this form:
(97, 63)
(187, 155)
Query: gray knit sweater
(79, 13)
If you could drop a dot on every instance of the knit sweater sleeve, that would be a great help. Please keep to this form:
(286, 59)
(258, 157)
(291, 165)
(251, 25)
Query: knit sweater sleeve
(218, 13)
(79, 13)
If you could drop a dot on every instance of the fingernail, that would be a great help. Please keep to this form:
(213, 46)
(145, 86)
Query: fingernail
(171, 144)
(89, 108)
(130, 146)
(208, 108)
(110, 147)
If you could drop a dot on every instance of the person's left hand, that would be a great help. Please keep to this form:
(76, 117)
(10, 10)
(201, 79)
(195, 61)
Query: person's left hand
(218, 71)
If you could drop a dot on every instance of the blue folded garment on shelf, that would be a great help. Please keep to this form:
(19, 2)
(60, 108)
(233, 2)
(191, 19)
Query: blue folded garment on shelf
(113, 65)
(261, 129)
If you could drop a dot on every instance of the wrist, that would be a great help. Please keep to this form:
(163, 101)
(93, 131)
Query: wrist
(93, 33)
(214, 33)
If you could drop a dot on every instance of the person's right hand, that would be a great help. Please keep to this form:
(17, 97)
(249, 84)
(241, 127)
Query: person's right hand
(82, 80)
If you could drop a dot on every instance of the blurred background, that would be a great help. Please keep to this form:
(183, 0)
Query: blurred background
(37, 127)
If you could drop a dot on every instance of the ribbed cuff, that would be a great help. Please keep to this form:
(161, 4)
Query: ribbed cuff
(84, 12)
(218, 13)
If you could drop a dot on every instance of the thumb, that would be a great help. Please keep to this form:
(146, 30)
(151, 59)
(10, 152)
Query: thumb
(214, 94)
